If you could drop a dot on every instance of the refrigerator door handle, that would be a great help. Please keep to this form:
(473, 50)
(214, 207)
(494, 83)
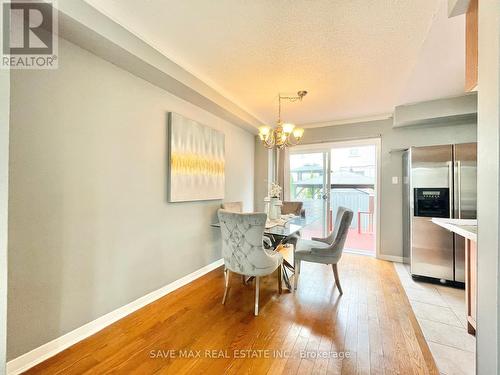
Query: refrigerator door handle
(458, 196)
(451, 187)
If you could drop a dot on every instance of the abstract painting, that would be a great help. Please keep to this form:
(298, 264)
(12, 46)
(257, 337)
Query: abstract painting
(196, 160)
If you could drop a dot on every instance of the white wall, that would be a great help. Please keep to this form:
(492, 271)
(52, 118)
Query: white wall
(90, 227)
(488, 209)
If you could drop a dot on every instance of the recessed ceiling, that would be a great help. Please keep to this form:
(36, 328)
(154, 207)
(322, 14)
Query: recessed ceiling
(354, 57)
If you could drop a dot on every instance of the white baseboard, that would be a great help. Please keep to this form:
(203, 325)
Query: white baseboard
(40, 354)
(391, 258)
(360, 252)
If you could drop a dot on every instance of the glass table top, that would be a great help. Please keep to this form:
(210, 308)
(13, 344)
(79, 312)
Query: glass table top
(291, 227)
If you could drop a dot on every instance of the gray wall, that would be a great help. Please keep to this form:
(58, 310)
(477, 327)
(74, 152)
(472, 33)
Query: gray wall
(90, 228)
(4, 169)
(488, 210)
(391, 163)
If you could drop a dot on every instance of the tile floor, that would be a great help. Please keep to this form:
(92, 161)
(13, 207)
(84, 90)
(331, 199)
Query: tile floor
(440, 311)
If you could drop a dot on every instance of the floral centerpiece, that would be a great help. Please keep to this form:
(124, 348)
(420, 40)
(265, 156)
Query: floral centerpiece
(275, 190)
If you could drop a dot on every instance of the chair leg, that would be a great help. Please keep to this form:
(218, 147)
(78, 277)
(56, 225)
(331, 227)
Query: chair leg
(257, 278)
(336, 276)
(227, 275)
(296, 275)
(280, 279)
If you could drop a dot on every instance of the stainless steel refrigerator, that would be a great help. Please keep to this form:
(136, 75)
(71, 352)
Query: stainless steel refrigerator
(438, 181)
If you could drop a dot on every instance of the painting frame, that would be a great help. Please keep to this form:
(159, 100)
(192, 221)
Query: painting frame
(196, 161)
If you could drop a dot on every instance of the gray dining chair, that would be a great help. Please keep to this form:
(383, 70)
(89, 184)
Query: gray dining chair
(243, 252)
(232, 206)
(295, 208)
(238, 207)
(325, 250)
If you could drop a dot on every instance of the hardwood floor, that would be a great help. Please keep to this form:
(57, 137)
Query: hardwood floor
(372, 323)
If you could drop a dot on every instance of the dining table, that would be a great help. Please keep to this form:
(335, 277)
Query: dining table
(280, 232)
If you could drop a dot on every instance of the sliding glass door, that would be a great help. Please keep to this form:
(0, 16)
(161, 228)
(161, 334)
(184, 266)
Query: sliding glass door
(353, 179)
(328, 176)
(308, 181)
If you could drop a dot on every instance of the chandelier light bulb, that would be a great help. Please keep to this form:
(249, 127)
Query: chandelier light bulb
(264, 132)
(298, 133)
(288, 128)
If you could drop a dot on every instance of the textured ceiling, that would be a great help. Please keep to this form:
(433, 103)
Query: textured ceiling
(354, 57)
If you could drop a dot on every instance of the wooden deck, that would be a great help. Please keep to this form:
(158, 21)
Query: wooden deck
(371, 329)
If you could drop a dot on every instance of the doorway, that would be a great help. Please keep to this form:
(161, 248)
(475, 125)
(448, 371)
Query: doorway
(327, 176)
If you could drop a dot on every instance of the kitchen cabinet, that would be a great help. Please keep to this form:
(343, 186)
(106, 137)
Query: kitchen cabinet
(471, 42)
(471, 284)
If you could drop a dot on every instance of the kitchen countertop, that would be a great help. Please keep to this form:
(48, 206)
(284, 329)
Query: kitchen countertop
(464, 227)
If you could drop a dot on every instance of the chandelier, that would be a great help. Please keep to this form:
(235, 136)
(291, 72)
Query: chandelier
(285, 134)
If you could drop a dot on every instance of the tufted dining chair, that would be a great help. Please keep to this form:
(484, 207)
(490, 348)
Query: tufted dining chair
(243, 252)
(325, 250)
(238, 207)
(232, 206)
